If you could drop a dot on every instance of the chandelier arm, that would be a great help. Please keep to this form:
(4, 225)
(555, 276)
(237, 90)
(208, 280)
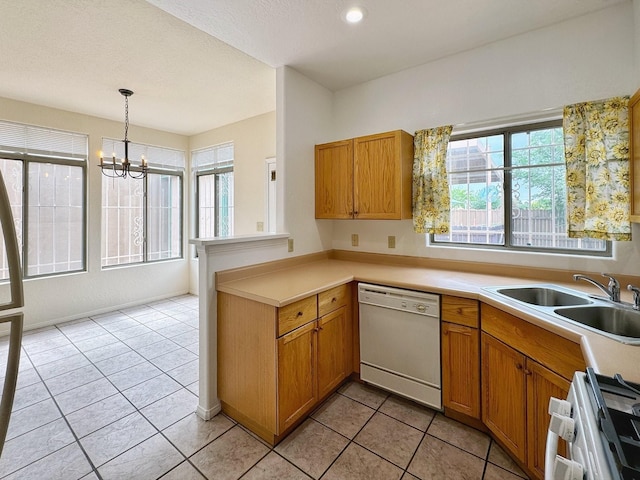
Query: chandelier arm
(124, 168)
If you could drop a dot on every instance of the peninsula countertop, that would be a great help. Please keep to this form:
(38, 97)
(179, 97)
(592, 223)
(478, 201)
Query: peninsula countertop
(281, 287)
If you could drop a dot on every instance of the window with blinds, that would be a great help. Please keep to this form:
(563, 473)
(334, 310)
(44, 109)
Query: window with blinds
(45, 173)
(142, 218)
(213, 168)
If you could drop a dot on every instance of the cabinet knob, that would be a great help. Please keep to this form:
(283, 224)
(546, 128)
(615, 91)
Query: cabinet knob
(527, 372)
(459, 311)
(519, 366)
(355, 214)
(299, 314)
(334, 300)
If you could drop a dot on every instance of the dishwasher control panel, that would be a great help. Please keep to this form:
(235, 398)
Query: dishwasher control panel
(397, 299)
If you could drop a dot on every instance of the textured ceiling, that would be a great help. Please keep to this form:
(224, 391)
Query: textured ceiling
(185, 63)
(76, 54)
(395, 34)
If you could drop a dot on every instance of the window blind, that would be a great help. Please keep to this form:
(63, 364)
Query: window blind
(17, 138)
(213, 158)
(159, 157)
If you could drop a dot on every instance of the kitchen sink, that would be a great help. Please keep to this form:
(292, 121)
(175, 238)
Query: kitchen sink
(614, 320)
(543, 296)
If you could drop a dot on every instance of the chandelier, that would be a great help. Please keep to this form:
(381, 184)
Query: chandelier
(122, 167)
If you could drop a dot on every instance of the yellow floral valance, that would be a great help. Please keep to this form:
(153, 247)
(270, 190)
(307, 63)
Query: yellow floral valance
(596, 148)
(431, 203)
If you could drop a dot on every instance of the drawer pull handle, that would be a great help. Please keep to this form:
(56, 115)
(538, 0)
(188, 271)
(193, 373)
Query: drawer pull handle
(299, 314)
(334, 299)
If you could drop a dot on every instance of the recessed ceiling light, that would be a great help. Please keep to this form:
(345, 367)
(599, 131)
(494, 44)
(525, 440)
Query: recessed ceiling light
(354, 15)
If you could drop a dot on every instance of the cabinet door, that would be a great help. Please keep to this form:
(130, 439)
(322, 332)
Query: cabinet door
(461, 369)
(377, 174)
(297, 390)
(504, 394)
(331, 351)
(334, 180)
(542, 384)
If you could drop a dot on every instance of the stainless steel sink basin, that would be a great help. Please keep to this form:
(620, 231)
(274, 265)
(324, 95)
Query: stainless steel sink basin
(543, 296)
(617, 321)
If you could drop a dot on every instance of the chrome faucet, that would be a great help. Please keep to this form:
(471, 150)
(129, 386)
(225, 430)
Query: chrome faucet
(636, 296)
(612, 290)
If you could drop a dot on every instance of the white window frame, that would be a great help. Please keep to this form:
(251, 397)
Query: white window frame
(214, 161)
(161, 161)
(37, 146)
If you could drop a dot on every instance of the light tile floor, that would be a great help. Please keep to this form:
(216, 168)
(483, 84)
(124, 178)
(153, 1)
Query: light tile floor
(113, 396)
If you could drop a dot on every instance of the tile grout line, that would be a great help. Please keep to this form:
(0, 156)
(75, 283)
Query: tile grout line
(94, 468)
(73, 433)
(127, 399)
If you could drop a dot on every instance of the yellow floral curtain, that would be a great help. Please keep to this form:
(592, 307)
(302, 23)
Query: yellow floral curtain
(431, 204)
(596, 149)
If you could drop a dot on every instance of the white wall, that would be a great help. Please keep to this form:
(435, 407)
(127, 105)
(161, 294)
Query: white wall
(587, 58)
(304, 119)
(54, 299)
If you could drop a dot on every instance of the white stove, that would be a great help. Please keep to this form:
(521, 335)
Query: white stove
(600, 420)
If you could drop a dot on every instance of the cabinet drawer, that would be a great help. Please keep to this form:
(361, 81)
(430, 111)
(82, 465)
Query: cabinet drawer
(296, 314)
(463, 311)
(333, 299)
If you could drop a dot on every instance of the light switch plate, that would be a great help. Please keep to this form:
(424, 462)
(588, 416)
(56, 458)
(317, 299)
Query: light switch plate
(290, 245)
(354, 240)
(260, 226)
(391, 241)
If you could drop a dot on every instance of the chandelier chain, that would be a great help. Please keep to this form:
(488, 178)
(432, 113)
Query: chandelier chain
(126, 117)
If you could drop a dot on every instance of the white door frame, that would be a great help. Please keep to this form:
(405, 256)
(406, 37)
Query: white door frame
(271, 188)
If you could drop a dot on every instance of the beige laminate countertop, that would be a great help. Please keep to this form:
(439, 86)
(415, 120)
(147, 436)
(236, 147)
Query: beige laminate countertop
(282, 287)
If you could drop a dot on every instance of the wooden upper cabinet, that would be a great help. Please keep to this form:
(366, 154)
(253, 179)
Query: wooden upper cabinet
(334, 180)
(365, 178)
(382, 168)
(634, 155)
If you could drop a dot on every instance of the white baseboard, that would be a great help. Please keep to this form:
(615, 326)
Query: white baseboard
(208, 413)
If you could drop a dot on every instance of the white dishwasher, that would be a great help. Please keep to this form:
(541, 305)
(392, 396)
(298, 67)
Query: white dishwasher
(400, 342)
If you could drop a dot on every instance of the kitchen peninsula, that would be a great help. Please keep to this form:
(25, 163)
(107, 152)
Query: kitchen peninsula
(273, 286)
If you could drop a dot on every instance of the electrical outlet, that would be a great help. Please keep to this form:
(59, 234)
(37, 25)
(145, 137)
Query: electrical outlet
(260, 226)
(354, 240)
(290, 245)
(391, 240)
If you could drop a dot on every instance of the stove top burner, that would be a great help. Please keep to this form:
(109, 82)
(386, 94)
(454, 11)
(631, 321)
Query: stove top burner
(618, 408)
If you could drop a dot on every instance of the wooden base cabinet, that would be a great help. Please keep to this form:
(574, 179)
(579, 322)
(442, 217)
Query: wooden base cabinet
(504, 395)
(518, 380)
(297, 385)
(460, 356)
(276, 364)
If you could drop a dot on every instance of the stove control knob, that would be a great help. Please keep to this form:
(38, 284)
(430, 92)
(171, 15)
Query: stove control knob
(564, 427)
(561, 407)
(565, 469)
